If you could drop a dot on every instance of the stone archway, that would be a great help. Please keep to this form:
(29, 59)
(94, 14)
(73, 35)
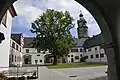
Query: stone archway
(107, 14)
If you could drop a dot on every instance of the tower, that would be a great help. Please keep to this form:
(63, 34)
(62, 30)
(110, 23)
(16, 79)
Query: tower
(82, 28)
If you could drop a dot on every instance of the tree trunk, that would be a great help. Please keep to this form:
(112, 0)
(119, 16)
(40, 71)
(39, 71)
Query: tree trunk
(55, 60)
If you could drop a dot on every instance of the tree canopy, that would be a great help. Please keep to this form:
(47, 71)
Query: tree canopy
(52, 30)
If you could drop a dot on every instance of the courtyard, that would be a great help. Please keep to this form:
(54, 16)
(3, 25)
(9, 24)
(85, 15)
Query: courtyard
(82, 73)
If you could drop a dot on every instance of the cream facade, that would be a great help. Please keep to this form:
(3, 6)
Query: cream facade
(32, 56)
(75, 55)
(16, 51)
(95, 54)
(5, 28)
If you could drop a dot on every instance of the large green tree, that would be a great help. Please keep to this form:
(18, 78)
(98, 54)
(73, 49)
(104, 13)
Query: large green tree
(52, 30)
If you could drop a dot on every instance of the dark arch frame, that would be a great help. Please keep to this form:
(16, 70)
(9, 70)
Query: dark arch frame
(98, 13)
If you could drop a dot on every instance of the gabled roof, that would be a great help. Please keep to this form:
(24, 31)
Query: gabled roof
(16, 37)
(79, 42)
(94, 41)
(28, 42)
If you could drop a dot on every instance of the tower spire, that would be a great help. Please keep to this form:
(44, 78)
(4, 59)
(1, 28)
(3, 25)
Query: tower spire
(82, 28)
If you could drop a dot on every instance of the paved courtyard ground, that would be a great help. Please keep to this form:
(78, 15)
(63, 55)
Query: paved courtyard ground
(86, 73)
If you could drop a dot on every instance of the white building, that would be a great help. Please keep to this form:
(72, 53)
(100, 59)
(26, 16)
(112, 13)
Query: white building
(77, 52)
(85, 46)
(16, 49)
(5, 28)
(94, 51)
(32, 55)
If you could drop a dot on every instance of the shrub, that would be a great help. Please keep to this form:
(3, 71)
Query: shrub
(3, 77)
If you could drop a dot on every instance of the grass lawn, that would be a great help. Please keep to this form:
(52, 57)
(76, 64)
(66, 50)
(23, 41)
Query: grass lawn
(73, 65)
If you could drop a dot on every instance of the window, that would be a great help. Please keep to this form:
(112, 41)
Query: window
(36, 61)
(80, 50)
(101, 55)
(74, 50)
(80, 55)
(13, 45)
(20, 49)
(97, 55)
(86, 57)
(91, 56)
(95, 49)
(76, 57)
(27, 50)
(16, 47)
(12, 58)
(38, 55)
(68, 55)
(85, 50)
(89, 49)
(38, 50)
(71, 55)
(40, 61)
(15, 58)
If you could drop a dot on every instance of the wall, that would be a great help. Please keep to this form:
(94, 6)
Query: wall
(94, 52)
(5, 45)
(75, 54)
(15, 53)
(33, 53)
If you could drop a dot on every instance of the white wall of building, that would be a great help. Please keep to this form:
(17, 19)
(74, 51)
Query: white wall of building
(92, 52)
(15, 55)
(39, 57)
(74, 54)
(35, 56)
(5, 45)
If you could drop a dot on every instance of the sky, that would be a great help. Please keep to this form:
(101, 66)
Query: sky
(29, 10)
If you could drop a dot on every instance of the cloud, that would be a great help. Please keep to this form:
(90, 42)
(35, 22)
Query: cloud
(30, 9)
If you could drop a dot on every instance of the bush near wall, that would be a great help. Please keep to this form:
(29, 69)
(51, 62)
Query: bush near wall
(14, 78)
(3, 77)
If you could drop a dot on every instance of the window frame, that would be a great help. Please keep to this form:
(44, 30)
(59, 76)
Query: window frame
(91, 56)
(27, 51)
(77, 57)
(97, 55)
(102, 55)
